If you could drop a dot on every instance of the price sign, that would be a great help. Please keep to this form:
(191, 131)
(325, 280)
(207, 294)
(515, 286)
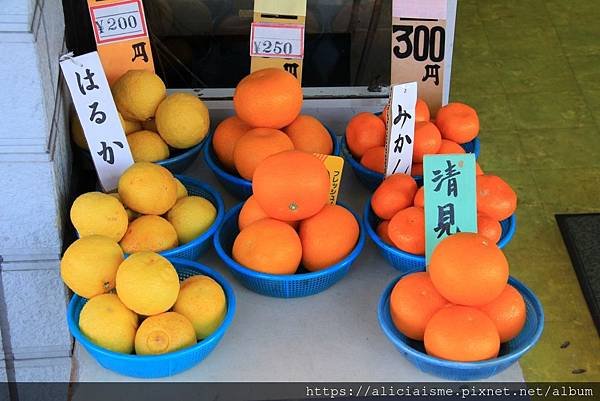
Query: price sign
(335, 167)
(400, 129)
(97, 113)
(277, 40)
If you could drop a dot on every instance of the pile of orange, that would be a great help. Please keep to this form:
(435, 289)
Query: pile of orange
(287, 222)
(268, 121)
(463, 307)
(400, 206)
(456, 124)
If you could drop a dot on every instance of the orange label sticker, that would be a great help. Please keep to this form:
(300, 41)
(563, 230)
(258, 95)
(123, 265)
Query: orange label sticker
(335, 167)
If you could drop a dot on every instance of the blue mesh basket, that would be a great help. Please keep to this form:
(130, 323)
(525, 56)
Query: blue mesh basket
(181, 160)
(510, 352)
(301, 284)
(371, 179)
(407, 262)
(233, 183)
(153, 366)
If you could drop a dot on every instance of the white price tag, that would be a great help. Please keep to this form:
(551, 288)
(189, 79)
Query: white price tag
(401, 129)
(277, 40)
(121, 21)
(98, 116)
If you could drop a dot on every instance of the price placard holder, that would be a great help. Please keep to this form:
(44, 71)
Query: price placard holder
(277, 36)
(121, 35)
(421, 51)
(98, 115)
(335, 167)
(400, 129)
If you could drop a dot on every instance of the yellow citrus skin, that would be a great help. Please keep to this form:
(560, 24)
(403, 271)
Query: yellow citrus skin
(147, 146)
(148, 188)
(149, 233)
(79, 137)
(181, 189)
(89, 265)
(191, 216)
(167, 332)
(100, 214)
(202, 300)
(107, 322)
(147, 283)
(129, 126)
(138, 93)
(131, 215)
(182, 120)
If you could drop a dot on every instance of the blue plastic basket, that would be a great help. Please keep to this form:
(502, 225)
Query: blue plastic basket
(371, 179)
(183, 160)
(301, 284)
(510, 352)
(407, 262)
(153, 366)
(233, 183)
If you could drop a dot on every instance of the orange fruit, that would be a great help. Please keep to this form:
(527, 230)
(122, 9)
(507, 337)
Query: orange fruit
(407, 230)
(449, 147)
(461, 333)
(363, 132)
(225, 137)
(508, 312)
(413, 301)
(268, 246)
(489, 228)
(374, 159)
(395, 193)
(419, 200)
(384, 114)
(468, 269)
(291, 185)
(268, 98)
(251, 212)
(422, 111)
(427, 140)
(495, 197)
(417, 170)
(255, 146)
(382, 232)
(308, 134)
(327, 237)
(457, 122)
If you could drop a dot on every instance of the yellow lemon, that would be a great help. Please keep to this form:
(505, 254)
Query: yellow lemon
(182, 120)
(131, 215)
(99, 213)
(147, 146)
(138, 93)
(191, 216)
(148, 188)
(150, 125)
(128, 125)
(202, 300)
(106, 322)
(77, 132)
(181, 189)
(149, 233)
(89, 265)
(147, 283)
(164, 333)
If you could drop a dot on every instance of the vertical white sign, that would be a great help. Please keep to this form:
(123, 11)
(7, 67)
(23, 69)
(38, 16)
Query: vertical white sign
(400, 129)
(98, 116)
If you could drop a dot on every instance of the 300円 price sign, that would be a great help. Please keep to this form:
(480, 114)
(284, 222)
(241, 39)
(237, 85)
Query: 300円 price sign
(277, 40)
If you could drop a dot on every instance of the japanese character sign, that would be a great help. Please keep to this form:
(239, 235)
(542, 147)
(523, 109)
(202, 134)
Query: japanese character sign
(335, 167)
(98, 116)
(401, 131)
(450, 197)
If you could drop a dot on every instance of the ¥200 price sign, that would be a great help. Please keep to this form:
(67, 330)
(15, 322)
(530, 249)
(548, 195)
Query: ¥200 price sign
(118, 21)
(277, 40)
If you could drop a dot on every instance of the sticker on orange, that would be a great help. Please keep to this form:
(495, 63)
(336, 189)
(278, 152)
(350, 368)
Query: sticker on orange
(335, 167)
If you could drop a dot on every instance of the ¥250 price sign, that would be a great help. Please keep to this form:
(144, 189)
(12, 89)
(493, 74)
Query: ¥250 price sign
(277, 40)
(118, 21)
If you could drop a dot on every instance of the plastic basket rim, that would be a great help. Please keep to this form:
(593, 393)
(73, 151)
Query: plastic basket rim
(367, 211)
(513, 356)
(211, 159)
(215, 336)
(232, 264)
(190, 152)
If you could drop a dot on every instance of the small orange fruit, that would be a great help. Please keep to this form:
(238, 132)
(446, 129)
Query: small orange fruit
(449, 147)
(413, 301)
(419, 200)
(395, 193)
(407, 230)
(427, 140)
(363, 132)
(255, 146)
(374, 159)
(327, 237)
(251, 212)
(416, 170)
(458, 122)
(489, 228)
(495, 197)
(291, 185)
(268, 98)
(422, 111)
(225, 137)
(468, 269)
(382, 232)
(461, 333)
(508, 312)
(308, 134)
(268, 246)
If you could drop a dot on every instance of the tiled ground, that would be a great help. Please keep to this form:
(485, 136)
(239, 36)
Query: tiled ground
(532, 70)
